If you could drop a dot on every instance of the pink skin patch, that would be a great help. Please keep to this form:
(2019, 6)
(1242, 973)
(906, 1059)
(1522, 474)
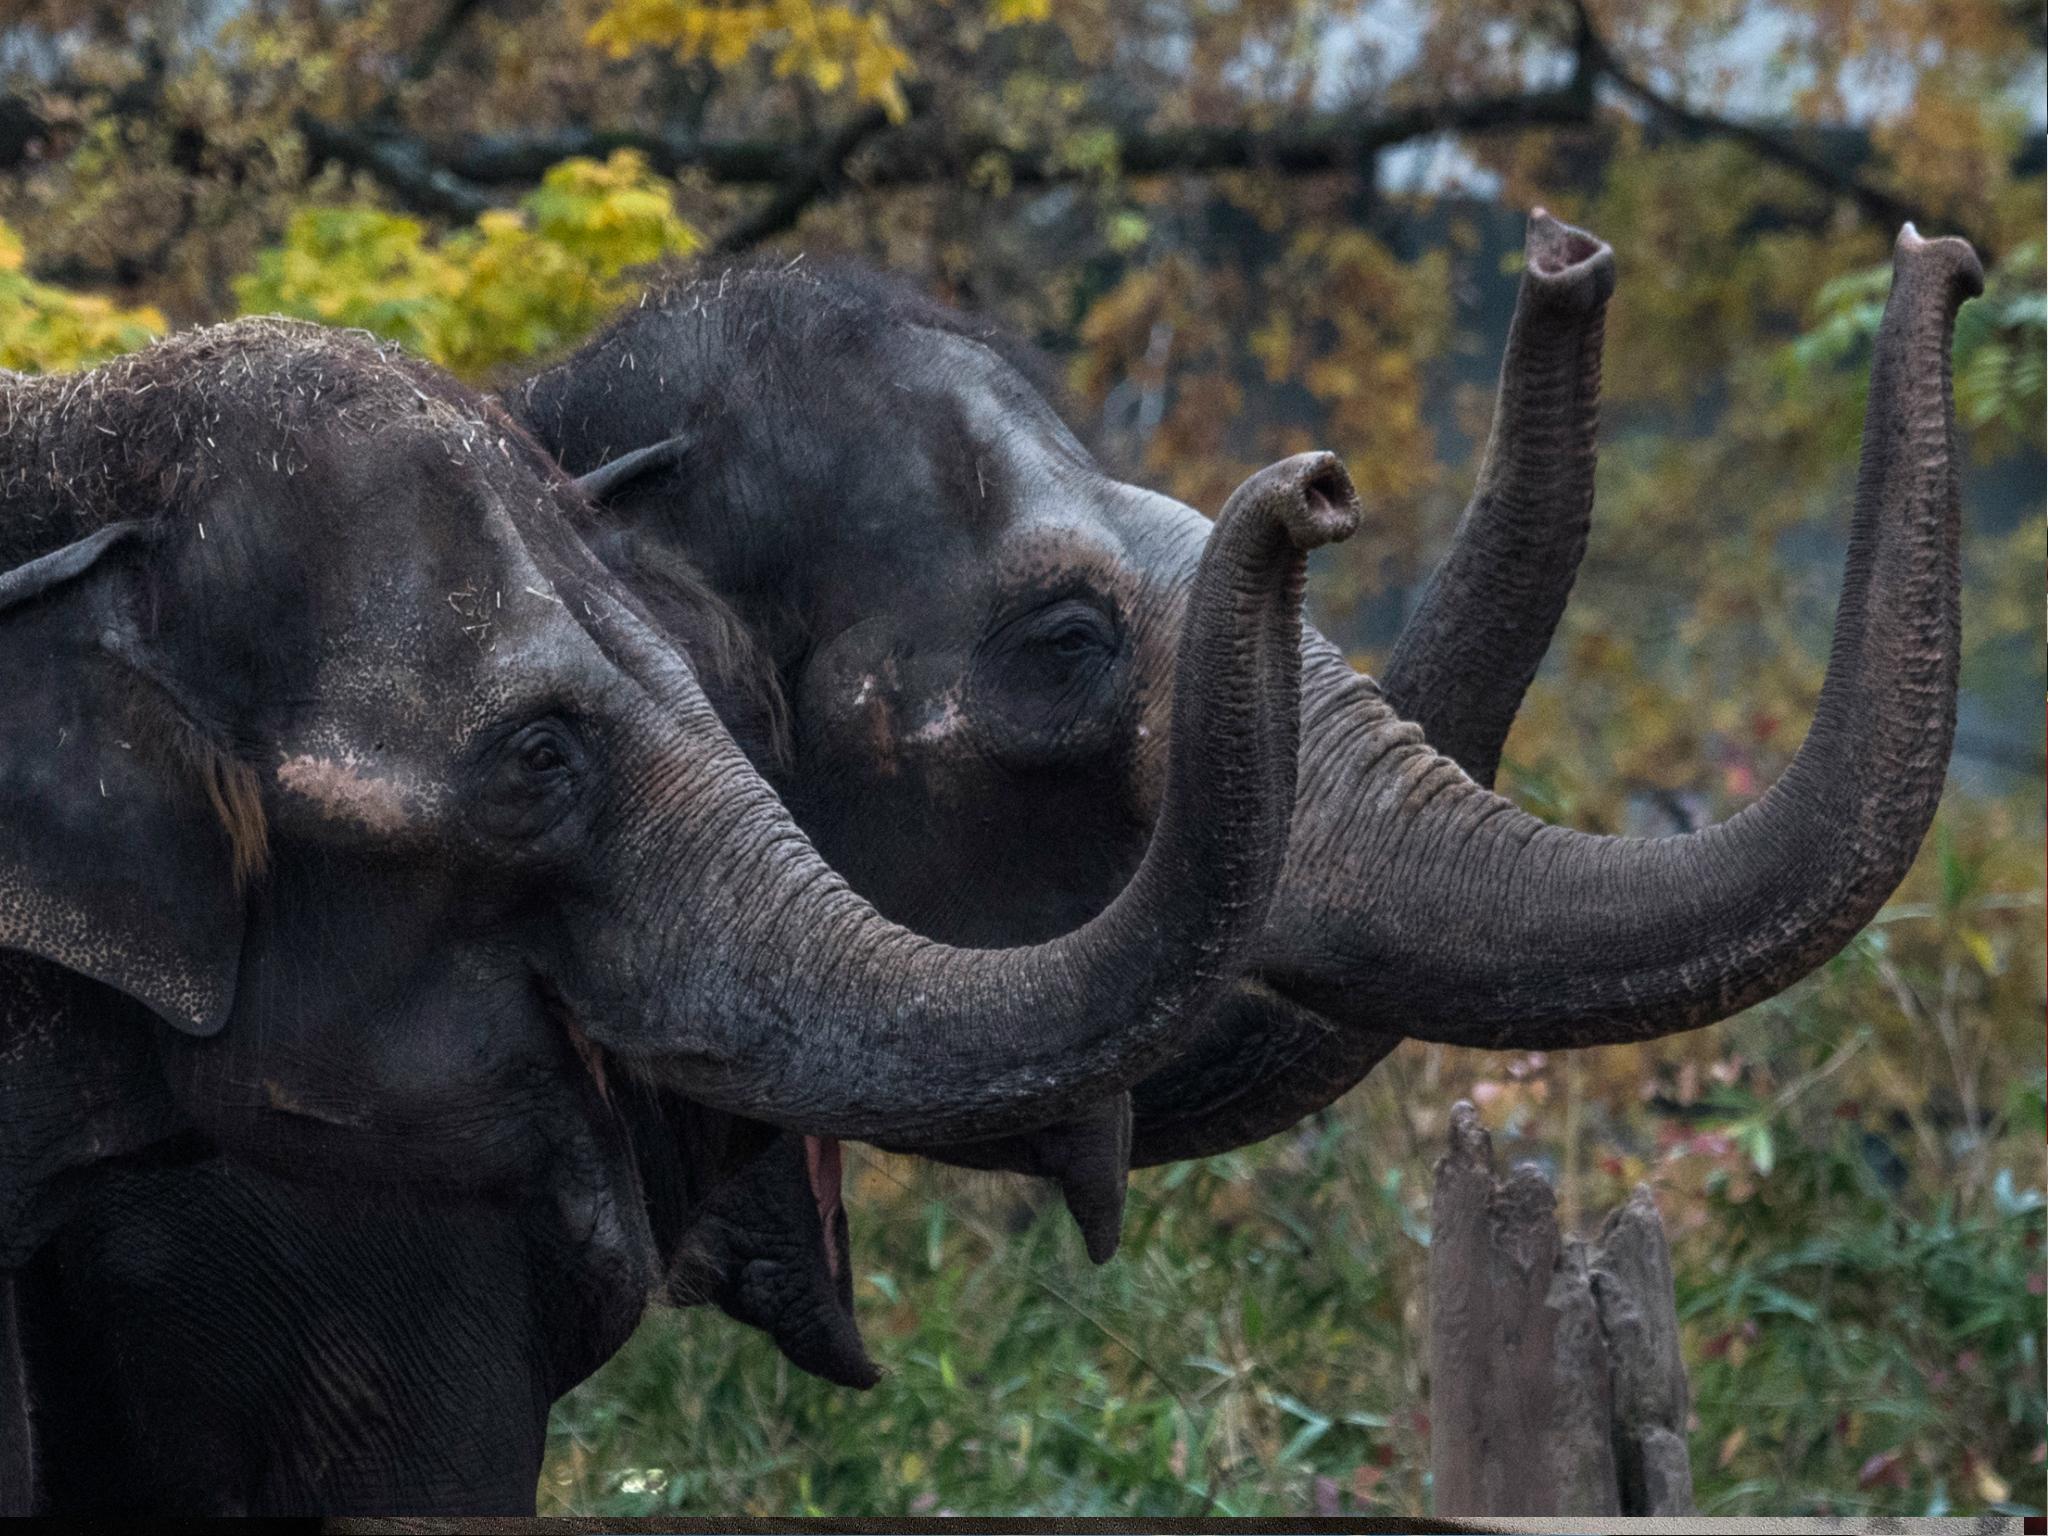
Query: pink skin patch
(343, 792)
(825, 1168)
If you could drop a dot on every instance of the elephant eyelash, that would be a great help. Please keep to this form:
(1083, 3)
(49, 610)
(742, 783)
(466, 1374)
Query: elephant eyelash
(232, 786)
(235, 793)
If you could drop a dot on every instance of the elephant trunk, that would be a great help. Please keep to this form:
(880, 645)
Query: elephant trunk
(1416, 903)
(1428, 904)
(784, 996)
(1464, 659)
(1471, 648)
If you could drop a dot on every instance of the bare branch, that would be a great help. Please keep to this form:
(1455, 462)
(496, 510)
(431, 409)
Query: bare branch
(397, 161)
(821, 179)
(1886, 209)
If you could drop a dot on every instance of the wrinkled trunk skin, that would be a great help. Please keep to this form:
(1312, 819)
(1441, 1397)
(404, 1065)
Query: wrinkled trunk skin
(1415, 902)
(1470, 650)
(1460, 668)
(783, 996)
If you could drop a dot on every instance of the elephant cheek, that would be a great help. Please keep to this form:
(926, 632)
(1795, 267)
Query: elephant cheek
(849, 704)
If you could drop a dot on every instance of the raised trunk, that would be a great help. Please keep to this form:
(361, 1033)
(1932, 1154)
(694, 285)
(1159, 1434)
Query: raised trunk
(1416, 900)
(1463, 661)
(782, 995)
(1471, 648)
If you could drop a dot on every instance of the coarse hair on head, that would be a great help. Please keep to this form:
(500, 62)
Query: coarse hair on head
(152, 436)
(757, 327)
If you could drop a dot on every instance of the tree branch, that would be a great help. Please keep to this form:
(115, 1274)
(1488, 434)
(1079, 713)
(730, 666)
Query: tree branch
(400, 163)
(925, 151)
(436, 42)
(454, 13)
(822, 178)
(1886, 209)
(520, 159)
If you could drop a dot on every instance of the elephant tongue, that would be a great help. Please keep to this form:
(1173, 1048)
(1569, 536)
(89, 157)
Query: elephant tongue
(825, 1170)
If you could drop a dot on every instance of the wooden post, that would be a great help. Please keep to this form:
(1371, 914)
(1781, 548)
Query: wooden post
(1556, 1386)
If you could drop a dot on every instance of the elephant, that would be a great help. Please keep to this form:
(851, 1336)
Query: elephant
(362, 830)
(965, 614)
(209, 1337)
(1457, 673)
(769, 1243)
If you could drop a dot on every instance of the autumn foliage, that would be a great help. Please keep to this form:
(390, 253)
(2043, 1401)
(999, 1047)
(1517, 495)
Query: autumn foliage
(1244, 229)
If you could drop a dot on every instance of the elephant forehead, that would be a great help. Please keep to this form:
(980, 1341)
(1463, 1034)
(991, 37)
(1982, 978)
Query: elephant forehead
(1047, 555)
(1024, 465)
(424, 662)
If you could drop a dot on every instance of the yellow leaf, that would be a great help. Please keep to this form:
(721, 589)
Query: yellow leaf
(1979, 945)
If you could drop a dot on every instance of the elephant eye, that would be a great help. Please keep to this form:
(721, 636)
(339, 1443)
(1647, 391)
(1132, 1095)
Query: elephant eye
(542, 755)
(1072, 639)
(540, 750)
(530, 779)
(1070, 630)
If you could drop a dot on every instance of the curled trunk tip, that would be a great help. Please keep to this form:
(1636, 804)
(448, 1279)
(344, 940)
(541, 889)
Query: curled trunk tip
(1566, 268)
(1309, 496)
(1946, 256)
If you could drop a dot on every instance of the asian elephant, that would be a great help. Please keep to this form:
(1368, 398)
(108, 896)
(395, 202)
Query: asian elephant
(769, 1243)
(966, 615)
(1459, 669)
(363, 830)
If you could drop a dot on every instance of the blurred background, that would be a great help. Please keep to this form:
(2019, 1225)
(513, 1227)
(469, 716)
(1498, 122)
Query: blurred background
(1243, 229)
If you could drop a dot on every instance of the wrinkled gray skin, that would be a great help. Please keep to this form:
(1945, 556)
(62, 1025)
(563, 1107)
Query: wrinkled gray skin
(1547, 398)
(887, 501)
(376, 825)
(769, 1243)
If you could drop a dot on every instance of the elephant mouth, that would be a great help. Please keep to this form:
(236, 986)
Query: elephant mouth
(808, 1309)
(761, 1233)
(824, 1170)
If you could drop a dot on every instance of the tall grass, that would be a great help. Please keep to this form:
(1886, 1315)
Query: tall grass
(1851, 1177)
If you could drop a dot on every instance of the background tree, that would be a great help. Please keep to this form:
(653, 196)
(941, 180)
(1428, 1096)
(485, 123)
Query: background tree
(1249, 227)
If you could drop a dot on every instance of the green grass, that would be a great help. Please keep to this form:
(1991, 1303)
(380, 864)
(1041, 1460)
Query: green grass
(1851, 1177)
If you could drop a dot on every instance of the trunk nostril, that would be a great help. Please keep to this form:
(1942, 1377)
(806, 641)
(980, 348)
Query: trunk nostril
(1329, 504)
(1571, 269)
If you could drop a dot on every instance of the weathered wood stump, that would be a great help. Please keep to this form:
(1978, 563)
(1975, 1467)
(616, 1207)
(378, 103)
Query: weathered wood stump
(1556, 1386)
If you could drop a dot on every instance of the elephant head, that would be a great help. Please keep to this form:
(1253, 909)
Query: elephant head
(356, 818)
(970, 620)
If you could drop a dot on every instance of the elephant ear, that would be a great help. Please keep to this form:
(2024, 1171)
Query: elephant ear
(117, 860)
(118, 896)
(611, 480)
